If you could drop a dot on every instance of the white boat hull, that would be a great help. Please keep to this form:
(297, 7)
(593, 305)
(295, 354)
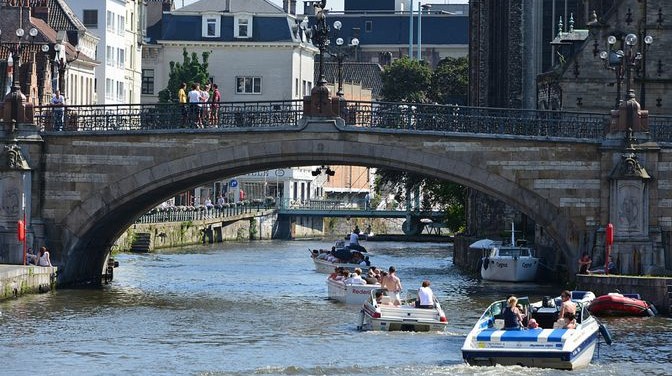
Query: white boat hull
(349, 294)
(404, 317)
(509, 269)
(324, 266)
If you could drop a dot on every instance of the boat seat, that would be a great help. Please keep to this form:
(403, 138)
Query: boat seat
(546, 317)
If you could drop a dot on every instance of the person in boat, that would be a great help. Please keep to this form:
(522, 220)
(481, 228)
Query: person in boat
(567, 306)
(425, 295)
(365, 261)
(337, 272)
(372, 276)
(584, 264)
(393, 285)
(513, 318)
(532, 324)
(355, 278)
(379, 297)
(570, 320)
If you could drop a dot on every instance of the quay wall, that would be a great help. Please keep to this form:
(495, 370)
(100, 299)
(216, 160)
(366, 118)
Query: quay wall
(656, 290)
(17, 280)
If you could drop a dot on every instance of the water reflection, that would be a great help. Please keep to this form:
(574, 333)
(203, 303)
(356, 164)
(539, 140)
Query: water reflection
(259, 308)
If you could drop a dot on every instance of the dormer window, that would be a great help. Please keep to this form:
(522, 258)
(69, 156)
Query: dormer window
(211, 26)
(243, 27)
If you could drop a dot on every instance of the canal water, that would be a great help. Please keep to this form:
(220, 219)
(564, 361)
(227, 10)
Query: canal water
(261, 309)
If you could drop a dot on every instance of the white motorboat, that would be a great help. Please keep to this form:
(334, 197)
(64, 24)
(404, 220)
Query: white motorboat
(488, 344)
(386, 316)
(509, 263)
(349, 293)
(327, 260)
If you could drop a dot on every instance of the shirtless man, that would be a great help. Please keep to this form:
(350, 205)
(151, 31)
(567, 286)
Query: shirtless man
(567, 306)
(393, 285)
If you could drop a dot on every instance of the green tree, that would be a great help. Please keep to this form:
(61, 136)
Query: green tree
(406, 80)
(450, 81)
(412, 81)
(189, 71)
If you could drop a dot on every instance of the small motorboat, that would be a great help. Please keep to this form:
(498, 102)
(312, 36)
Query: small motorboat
(385, 316)
(508, 263)
(488, 344)
(349, 293)
(616, 304)
(327, 260)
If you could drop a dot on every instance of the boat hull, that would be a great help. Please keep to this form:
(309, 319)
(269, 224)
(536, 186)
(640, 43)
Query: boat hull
(618, 305)
(324, 266)
(349, 294)
(386, 316)
(509, 269)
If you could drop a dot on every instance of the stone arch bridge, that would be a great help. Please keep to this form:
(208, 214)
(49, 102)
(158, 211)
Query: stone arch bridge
(87, 184)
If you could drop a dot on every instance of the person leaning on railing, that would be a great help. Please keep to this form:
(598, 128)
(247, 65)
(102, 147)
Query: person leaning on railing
(58, 111)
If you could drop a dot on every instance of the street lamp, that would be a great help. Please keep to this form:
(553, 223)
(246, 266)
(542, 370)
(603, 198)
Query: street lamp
(340, 52)
(623, 61)
(62, 64)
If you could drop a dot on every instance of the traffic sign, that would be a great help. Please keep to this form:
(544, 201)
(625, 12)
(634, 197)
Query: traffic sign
(233, 183)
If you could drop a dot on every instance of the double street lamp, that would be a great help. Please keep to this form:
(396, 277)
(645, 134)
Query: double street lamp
(340, 52)
(623, 61)
(15, 50)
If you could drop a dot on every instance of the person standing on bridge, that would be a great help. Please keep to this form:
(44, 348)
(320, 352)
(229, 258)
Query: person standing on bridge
(58, 103)
(214, 107)
(182, 99)
(195, 104)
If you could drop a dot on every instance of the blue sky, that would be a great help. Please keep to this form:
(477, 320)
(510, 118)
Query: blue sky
(336, 5)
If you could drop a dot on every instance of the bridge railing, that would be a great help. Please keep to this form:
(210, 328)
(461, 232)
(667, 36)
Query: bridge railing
(128, 117)
(464, 119)
(197, 213)
(323, 204)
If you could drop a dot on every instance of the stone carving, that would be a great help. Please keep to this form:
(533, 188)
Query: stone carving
(15, 160)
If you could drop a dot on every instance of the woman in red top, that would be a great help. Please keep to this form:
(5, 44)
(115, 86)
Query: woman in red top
(214, 106)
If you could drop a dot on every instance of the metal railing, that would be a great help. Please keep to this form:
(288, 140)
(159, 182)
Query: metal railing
(401, 117)
(197, 213)
(129, 117)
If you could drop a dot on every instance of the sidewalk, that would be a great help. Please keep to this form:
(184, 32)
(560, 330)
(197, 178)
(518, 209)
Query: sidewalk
(16, 280)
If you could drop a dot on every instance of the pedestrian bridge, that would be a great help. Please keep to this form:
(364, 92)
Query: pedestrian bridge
(111, 164)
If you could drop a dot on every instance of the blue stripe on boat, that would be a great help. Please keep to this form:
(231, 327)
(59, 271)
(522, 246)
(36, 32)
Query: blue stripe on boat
(485, 335)
(529, 335)
(556, 335)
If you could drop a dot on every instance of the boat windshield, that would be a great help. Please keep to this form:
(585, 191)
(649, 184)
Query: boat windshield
(514, 252)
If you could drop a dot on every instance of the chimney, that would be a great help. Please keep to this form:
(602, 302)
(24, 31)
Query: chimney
(285, 6)
(292, 7)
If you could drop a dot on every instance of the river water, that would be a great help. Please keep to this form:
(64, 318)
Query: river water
(260, 309)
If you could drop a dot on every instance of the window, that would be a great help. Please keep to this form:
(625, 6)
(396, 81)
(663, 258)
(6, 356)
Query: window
(90, 18)
(109, 85)
(110, 21)
(121, 25)
(147, 81)
(242, 27)
(368, 26)
(121, 58)
(296, 87)
(109, 58)
(248, 85)
(211, 26)
(120, 92)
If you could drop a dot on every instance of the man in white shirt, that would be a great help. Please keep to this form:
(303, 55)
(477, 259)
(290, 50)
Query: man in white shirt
(426, 295)
(356, 278)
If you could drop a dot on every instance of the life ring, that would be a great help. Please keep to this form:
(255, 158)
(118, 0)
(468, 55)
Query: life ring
(605, 334)
(486, 263)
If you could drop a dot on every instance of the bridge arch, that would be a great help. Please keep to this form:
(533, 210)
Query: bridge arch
(90, 227)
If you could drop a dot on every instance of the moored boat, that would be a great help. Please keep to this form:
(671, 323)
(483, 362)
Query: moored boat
(508, 263)
(349, 293)
(385, 316)
(488, 344)
(616, 304)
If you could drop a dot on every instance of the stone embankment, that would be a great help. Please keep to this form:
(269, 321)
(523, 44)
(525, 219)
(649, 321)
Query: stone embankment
(17, 280)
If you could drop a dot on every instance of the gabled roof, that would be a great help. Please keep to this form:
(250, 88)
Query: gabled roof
(368, 74)
(232, 6)
(65, 19)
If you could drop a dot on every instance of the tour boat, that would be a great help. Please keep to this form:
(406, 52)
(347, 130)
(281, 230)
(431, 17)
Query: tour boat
(488, 344)
(615, 304)
(385, 316)
(509, 263)
(349, 293)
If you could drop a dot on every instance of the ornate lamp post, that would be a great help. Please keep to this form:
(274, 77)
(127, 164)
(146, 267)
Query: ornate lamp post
(623, 61)
(62, 64)
(340, 52)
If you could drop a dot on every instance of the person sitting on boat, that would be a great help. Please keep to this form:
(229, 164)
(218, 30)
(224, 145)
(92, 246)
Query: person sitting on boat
(425, 295)
(372, 276)
(355, 278)
(584, 264)
(570, 320)
(393, 285)
(567, 306)
(532, 324)
(513, 318)
(335, 273)
(379, 297)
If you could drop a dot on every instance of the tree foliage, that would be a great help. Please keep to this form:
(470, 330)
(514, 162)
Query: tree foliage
(189, 71)
(450, 81)
(406, 80)
(412, 81)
